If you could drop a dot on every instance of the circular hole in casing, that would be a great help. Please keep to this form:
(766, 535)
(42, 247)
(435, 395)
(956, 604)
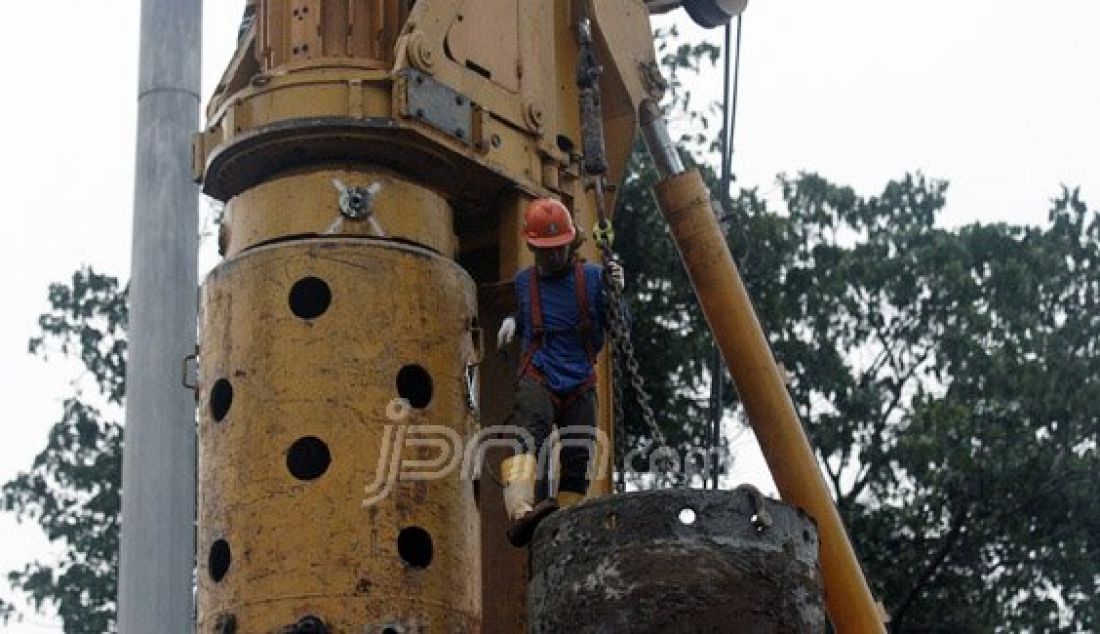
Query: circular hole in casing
(414, 545)
(218, 562)
(308, 458)
(221, 398)
(226, 623)
(310, 297)
(414, 384)
(565, 144)
(687, 516)
(308, 625)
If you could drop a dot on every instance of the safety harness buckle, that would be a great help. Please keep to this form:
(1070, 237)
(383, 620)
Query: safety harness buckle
(603, 233)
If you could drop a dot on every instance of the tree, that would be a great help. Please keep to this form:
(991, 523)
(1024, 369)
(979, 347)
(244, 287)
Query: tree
(930, 368)
(72, 489)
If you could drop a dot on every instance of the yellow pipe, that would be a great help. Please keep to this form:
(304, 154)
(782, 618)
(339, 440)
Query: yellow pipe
(685, 202)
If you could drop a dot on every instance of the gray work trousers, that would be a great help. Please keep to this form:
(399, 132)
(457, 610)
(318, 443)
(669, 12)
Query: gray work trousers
(538, 410)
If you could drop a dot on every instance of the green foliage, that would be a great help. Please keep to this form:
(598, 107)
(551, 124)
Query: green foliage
(670, 334)
(931, 369)
(947, 379)
(684, 59)
(72, 489)
(665, 311)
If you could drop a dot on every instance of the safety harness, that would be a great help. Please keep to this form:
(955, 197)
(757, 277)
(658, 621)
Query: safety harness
(538, 335)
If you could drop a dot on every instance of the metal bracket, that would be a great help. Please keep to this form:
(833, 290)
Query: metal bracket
(189, 372)
(357, 203)
(604, 233)
(473, 388)
(761, 519)
(437, 105)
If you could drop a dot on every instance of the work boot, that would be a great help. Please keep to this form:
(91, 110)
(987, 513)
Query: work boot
(523, 529)
(567, 499)
(518, 477)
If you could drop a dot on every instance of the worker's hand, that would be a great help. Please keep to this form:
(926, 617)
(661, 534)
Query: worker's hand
(506, 333)
(617, 274)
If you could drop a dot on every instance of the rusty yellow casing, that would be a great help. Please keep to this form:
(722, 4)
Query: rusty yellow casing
(306, 203)
(308, 345)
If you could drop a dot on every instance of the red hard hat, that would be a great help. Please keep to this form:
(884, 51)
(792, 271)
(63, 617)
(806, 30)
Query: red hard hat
(547, 223)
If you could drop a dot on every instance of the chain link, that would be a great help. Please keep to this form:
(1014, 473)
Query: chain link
(619, 420)
(625, 359)
(595, 168)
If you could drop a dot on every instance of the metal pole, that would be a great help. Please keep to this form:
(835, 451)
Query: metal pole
(158, 475)
(715, 431)
(733, 107)
(729, 125)
(727, 135)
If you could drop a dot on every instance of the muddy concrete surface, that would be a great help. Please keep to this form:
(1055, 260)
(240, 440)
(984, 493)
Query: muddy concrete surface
(676, 561)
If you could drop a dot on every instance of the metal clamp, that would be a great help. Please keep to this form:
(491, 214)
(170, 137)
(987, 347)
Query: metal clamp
(603, 233)
(189, 362)
(472, 388)
(761, 519)
(357, 203)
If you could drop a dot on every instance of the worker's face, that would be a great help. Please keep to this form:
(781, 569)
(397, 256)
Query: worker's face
(552, 261)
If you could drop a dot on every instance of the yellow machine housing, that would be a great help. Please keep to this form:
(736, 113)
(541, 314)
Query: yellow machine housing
(460, 112)
(454, 114)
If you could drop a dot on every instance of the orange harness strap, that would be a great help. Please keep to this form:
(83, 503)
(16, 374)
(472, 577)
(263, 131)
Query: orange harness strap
(538, 334)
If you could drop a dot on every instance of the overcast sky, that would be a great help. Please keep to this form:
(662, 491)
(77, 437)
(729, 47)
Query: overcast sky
(1000, 97)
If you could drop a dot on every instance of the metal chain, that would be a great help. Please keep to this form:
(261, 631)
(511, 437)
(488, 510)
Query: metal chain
(625, 362)
(595, 168)
(624, 348)
(619, 420)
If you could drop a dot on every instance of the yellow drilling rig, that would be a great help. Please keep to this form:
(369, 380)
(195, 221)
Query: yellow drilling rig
(375, 158)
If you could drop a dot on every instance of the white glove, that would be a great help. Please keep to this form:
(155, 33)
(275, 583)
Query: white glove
(507, 332)
(617, 274)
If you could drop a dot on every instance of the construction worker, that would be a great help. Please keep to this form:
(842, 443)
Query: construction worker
(560, 324)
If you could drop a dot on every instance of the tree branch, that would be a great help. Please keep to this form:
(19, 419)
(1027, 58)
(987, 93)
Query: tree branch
(933, 567)
(880, 428)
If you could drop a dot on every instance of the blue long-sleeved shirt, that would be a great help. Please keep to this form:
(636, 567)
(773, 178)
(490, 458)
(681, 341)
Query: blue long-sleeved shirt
(563, 358)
